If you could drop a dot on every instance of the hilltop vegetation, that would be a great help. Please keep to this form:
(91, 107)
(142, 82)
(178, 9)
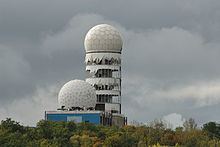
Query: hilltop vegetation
(69, 134)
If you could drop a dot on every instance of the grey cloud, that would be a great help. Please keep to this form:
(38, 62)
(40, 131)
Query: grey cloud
(31, 18)
(29, 110)
(71, 37)
(13, 72)
(171, 52)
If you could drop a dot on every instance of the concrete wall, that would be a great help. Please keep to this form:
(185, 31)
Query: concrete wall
(118, 121)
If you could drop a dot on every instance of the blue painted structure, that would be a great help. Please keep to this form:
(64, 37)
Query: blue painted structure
(78, 117)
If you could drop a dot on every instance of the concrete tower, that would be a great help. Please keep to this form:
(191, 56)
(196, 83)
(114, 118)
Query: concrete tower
(103, 45)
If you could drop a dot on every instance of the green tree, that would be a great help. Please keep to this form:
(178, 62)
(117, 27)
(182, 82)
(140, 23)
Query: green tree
(12, 126)
(189, 124)
(113, 141)
(59, 134)
(75, 140)
(213, 129)
(45, 129)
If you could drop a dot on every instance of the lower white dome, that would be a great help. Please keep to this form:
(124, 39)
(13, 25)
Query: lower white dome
(77, 93)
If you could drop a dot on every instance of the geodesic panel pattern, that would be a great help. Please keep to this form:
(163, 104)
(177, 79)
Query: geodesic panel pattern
(104, 38)
(77, 93)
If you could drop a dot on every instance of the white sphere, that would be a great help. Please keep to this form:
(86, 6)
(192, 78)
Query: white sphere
(103, 38)
(77, 93)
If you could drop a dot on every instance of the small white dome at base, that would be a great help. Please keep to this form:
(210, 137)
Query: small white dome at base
(77, 93)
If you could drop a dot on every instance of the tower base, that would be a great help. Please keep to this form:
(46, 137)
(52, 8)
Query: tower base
(94, 117)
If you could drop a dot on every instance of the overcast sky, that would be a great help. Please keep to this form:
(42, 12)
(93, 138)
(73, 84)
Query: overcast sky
(170, 58)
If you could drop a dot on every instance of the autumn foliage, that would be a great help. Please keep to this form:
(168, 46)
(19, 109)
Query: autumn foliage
(69, 134)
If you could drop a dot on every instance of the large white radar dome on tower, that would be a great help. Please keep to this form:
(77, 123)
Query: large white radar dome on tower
(77, 93)
(103, 38)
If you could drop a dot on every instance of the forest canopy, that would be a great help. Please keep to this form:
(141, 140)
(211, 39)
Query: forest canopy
(70, 134)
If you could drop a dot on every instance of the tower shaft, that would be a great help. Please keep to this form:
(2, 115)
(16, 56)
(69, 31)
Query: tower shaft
(103, 71)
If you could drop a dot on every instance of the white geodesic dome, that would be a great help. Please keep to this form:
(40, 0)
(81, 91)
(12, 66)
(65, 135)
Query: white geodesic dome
(77, 93)
(103, 38)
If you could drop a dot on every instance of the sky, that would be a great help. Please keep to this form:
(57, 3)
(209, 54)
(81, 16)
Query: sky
(170, 57)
